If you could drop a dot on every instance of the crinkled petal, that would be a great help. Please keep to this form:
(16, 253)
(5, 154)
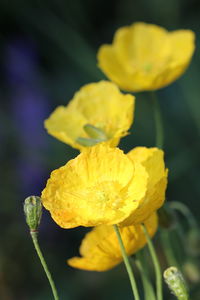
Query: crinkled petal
(100, 186)
(100, 249)
(153, 162)
(98, 104)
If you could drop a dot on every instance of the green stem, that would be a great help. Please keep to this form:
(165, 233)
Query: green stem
(168, 249)
(149, 293)
(127, 264)
(41, 257)
(158, 121)
(185, 211)
(156, 264)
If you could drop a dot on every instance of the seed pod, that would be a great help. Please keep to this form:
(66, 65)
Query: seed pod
(33, 211)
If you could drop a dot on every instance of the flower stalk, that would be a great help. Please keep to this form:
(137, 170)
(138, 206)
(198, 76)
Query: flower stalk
(34, 235)
(127, 264)
(167, 248)
(155, 263)
(158, 121)
(33, 213)
(149, 293)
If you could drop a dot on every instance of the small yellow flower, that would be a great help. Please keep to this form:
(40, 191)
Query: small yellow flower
(100, 249)
(97, 106)
(104, 186)
(146, 57)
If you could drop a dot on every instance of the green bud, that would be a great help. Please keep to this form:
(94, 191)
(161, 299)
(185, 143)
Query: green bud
(176, 283)
(33, 211)
(87, 142)
(95, 132)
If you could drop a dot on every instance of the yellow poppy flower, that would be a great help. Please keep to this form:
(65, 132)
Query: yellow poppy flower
(145, 57)
(98, 106)
(103, 185)
(100, 249)
(100, 186)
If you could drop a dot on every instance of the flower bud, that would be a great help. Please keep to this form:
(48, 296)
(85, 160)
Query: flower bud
(95, 132)
(33, 211)
(176, 283)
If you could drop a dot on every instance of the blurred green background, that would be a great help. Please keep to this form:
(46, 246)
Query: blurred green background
(48, 51)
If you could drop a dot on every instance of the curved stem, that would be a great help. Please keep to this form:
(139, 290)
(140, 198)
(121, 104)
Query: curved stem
(185, 211)
(155, 263)
(42, 260)
(127, 264)
(158, 121)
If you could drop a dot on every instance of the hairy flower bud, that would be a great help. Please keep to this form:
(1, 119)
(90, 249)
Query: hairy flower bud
(33, 211)
(176, 283)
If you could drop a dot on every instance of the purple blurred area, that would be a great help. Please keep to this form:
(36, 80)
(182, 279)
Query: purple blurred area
(29, 109)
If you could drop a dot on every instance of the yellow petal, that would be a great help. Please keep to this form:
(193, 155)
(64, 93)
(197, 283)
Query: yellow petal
(137, 46)
(98, 104)
(183, 46)
(153, 162)
(100, 186)
(146, 56)
(100, 249)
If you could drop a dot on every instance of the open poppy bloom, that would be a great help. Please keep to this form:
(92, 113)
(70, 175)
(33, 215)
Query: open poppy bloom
(100, 248)
(145, 57)
(104, 186)
(98, 112)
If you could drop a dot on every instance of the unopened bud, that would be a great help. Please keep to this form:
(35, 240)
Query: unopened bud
(176, 283)
(33, 211)
(95, 132)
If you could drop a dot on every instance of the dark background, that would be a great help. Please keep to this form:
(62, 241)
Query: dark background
(48, 51)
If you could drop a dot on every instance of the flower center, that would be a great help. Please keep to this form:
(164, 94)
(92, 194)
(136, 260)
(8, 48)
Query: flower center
(106, 195)
(148, 67)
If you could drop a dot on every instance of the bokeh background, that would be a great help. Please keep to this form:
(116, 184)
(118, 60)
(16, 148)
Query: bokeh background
(48, 51)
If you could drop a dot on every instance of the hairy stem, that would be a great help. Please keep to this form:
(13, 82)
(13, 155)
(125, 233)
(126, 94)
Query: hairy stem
(42, 260)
